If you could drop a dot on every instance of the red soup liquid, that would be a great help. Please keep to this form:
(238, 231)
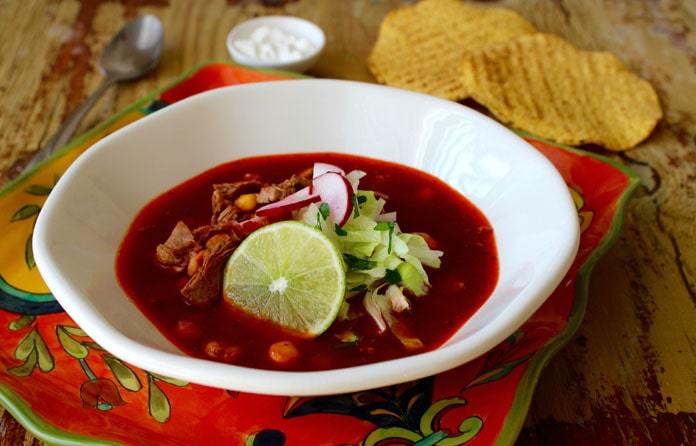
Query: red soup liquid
(467, 276)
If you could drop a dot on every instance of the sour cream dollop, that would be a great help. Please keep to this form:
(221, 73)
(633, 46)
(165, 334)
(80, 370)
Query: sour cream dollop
(269, 44)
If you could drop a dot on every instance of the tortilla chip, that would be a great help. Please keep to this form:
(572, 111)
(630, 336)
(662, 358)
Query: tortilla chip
(420, 47)
(542, 84)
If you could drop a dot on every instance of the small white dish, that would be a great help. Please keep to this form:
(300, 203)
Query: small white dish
(81, 226)
(288, 24)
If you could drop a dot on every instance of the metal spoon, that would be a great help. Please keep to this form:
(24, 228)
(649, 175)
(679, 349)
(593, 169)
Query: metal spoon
(133, 52)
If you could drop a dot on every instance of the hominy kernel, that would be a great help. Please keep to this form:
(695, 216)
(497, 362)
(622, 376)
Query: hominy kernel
(283, 352)
(188, 329)
(214, 349)
(246, 202)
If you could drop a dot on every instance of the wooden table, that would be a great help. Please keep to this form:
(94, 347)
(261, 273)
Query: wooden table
(629, 376)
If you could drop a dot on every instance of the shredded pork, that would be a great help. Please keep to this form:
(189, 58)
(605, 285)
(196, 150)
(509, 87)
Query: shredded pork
(201, 252)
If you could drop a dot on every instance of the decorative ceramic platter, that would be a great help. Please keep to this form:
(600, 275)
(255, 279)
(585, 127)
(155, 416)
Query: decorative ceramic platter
(67, 390)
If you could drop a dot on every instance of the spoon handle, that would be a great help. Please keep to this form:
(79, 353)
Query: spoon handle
(68, 127)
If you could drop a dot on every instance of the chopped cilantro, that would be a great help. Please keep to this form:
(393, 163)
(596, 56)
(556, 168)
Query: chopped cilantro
(340, 231)
(324, 210)
(355, 201)
(356, 263)
(361, 199)
(361, 287)
(392, 276)
(386, 226)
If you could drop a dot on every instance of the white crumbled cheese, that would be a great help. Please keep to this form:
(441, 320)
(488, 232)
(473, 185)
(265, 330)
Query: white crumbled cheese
(268, 44)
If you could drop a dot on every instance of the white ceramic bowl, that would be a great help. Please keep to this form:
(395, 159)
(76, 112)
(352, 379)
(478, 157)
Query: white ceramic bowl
(86, 216)
(288, 24)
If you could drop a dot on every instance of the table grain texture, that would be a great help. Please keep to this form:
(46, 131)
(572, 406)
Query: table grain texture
(629, 375)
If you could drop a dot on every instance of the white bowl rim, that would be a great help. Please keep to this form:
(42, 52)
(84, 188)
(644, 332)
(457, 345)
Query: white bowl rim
(274, 382)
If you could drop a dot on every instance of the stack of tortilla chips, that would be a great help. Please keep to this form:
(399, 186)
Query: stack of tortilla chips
(533, 81)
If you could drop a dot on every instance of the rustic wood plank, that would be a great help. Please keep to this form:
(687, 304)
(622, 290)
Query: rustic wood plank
(628, 378)
(630, 375)
(13, 434)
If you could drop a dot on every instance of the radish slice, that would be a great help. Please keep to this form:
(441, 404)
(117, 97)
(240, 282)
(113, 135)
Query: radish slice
(252, 224)
(322, 168)
(298, 200)
(245, 227)
(334, 190)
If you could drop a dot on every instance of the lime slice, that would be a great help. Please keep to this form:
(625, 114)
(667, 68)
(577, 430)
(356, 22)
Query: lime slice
(288, 273)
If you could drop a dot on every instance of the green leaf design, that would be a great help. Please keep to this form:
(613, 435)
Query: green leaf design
(168, 380)
(469, 428)
(124, 375)
(433, 439)
(46, 362)
(27, 367)
(158, 403)
(22, 322)
(26, 211)
(25, 346)
(427, 421)
(38, 189)
(71, 346)
(391, 433)
(92, 344)
(29, 252)
(74, 331)
(496, 373)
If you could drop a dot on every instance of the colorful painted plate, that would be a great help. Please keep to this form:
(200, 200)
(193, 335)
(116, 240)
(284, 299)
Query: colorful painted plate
(67, 390)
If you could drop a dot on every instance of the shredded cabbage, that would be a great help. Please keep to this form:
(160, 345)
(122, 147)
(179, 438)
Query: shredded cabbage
(381, 308)
(381, 261)
(373, 244)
